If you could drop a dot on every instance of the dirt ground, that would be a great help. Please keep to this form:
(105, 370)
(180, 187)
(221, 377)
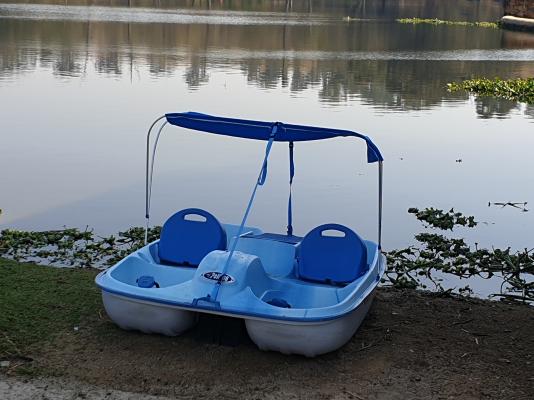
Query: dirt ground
(412, 346)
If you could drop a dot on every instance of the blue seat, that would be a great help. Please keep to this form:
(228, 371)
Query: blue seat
(186, 241)
(326, 258)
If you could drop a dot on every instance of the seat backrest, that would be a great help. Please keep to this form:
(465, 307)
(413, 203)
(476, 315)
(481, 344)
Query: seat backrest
(189, 235)
(277, 258)
(332, 253)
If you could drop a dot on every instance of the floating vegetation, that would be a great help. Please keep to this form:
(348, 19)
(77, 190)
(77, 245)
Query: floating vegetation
(436, 218)
(434, 255)
(519, 89)
(437, 254)
(72, 247)
(435, 21)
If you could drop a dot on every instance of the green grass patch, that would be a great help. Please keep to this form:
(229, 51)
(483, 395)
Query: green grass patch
(38, 302)
(435, 21)
(521, 90)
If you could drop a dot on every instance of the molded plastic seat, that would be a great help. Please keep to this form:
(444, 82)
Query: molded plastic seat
(186, 241)
(326, 258)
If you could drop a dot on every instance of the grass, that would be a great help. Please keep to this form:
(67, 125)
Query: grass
(435, 21)
(519, 89)
(37, 303)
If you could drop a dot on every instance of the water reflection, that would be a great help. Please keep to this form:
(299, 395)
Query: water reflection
(92, 86)
(387, 65)
(470, 10)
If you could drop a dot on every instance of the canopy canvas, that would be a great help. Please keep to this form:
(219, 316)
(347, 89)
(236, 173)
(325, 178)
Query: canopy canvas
(262, 130)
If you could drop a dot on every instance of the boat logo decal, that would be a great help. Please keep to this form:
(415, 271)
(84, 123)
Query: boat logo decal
(217, 276)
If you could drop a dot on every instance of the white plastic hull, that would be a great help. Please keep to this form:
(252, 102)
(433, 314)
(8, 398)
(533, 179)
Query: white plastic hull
(309, 339)
(132, 314)
(314, 325)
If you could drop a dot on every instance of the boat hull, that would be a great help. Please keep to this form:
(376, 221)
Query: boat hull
(147, 317)
(308, 339)
(319, 318)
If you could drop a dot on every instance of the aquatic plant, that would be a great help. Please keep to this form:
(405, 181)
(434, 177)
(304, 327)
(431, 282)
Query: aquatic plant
(435, 21)
(436, 254)
(417, 266)
(71, 246)
(443, 220)
(519, 89)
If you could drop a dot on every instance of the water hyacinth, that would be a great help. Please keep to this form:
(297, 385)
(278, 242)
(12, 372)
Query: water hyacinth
(71, 246)
(416, 266)
(413, 267)
(435, 21)
(519, 89)
(443, 220)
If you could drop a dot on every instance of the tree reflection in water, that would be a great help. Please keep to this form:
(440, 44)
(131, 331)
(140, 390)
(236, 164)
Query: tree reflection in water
(300, 45)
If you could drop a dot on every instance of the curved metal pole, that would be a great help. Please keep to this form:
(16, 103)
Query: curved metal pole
(151, 174)
(148, 182)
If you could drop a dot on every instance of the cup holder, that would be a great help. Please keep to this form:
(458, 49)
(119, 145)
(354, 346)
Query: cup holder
(275, 298)
(279, 303)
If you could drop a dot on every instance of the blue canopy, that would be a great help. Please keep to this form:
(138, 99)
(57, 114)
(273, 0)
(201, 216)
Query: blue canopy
(261, 130)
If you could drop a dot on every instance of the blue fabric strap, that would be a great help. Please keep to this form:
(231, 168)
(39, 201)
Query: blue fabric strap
(289, 203)
(261, 180)
(263, 173)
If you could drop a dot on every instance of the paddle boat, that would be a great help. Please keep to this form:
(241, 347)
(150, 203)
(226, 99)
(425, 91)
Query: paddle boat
(302, 295)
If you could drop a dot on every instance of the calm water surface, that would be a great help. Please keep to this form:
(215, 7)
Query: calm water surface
(81, 81)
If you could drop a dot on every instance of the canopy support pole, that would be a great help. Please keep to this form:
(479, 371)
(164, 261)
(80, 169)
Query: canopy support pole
(289, 203)
(149, 171)
(380, 181)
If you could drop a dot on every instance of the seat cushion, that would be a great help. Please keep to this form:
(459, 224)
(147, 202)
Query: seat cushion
(328, 258)
(189, 235)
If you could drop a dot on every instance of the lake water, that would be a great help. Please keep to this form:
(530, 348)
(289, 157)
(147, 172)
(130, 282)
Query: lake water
(80, 82)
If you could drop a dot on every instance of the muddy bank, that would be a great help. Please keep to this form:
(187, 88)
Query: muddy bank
(412, 345)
